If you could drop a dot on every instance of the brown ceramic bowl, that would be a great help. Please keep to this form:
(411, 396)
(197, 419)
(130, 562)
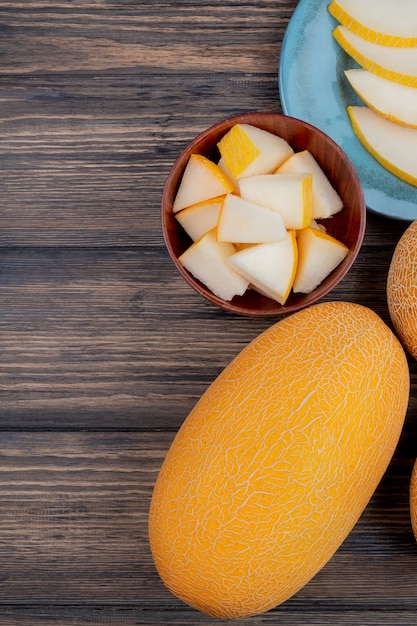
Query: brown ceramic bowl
(348, 225)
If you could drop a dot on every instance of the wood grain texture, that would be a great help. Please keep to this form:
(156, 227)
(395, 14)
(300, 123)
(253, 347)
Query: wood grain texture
(103, 347)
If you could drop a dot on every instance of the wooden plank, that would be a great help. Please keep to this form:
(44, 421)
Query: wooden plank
(92, 37)
(84, 162)
(74, 512)
(115, 338)
(103, 347)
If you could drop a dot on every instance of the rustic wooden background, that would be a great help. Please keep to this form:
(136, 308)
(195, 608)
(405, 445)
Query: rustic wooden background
(103, 347)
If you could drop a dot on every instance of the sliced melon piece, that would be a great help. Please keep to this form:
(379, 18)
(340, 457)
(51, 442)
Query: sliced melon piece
(398, 64)
(269, 267)
(290, 195)
(392, 100)
(393, 145)
(241, 221)
(247, 150)
(202, 179)
(387, 22)
(318, 255)
(325, 199)
(223, 167)
(199, 218)
(206, 259)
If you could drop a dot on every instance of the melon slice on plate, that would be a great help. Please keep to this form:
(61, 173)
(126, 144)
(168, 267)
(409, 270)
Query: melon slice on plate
(393, 145)
(390, 99)
(398, 64)
(387, 22)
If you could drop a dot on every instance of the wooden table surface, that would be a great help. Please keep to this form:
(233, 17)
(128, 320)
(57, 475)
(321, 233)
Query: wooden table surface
(104, 348)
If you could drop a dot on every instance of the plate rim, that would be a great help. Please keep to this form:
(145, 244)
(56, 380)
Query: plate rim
(392, 205)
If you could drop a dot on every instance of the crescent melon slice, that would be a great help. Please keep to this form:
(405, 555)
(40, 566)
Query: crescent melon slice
(394, 101)
(398, 64)
(393, 145)
(387, 22)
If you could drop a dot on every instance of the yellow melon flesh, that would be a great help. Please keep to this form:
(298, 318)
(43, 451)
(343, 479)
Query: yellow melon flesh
(398, 64)
(277, 461)
(392, 100)
(387, 22)
(247, 150)
(402, 289)
(393, 145)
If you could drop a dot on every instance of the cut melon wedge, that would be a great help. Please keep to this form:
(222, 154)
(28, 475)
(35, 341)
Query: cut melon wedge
(247, 150)
(393, 145)
(325, 201)
(398, 64)
(290, 195)
(318, 255)
(241, 221)
(269, 267)
(394, 101)
(199, 218)
(223, 167)
(386, 22)
(202, 179)
(206, 259)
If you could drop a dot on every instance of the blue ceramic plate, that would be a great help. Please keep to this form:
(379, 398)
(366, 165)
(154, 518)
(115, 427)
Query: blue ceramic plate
(313, 88)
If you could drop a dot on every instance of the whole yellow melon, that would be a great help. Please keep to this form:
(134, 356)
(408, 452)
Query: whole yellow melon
(402, 289)
(413, 499)
(278, 459)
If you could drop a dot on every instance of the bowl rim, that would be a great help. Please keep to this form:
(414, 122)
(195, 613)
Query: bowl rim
(276, 309)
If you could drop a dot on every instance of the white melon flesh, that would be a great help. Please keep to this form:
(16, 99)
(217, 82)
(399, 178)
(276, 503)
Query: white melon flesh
(202, 179)
(290, 195)
(318, 255)
(241, 221)
(247, 150)
(393, 145)
(206, 260)
(269, 267)
(199, 218)
(325, 201)
(389, 22)
(398, 64)
(392, 100)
